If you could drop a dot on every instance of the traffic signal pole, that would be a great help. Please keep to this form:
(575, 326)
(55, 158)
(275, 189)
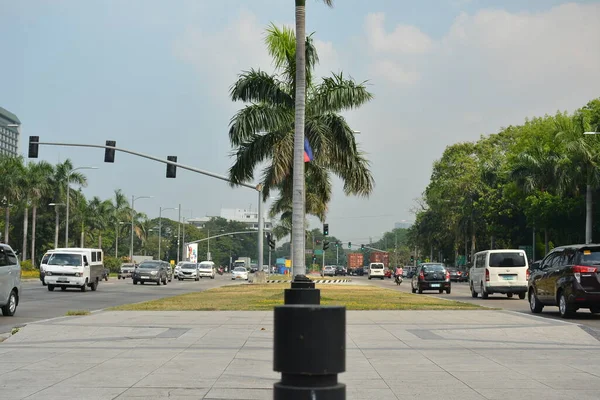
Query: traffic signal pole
(337, 254)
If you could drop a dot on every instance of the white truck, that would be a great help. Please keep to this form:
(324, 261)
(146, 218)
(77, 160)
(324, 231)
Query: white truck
(242, 262)
(74, 267)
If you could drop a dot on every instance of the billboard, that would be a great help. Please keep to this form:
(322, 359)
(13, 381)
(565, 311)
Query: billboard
(192, 252)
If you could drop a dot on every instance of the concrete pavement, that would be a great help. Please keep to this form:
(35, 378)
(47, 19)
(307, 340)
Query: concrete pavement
(228, 355)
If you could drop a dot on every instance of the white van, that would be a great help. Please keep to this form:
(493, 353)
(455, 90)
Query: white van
(376, 270)
(499, 271)
(206, 269)
(74, 267)
(43, 264)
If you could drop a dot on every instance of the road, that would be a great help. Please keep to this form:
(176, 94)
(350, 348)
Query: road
(461, 292)
(37, 303)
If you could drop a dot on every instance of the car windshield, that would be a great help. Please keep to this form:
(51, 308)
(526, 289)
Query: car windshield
(127, 266)
(206, 266)
(240, 269)
(148, 265)
(508, 259)
(433, 268)
(73, 260)
(188, 266)
(590, 256)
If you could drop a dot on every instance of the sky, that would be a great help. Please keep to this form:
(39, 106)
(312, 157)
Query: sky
(155, 75)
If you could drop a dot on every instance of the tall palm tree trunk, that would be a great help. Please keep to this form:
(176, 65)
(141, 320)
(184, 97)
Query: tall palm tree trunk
(55, 227)
(546, 241)
(588, 214)
(25, 231)
(6, 223)
(298, 173)
(33, 224)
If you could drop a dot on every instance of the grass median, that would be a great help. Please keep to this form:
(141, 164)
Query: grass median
(265, 297)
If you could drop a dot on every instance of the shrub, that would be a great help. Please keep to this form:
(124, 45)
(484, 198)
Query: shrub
(27, 265)
(113, 264)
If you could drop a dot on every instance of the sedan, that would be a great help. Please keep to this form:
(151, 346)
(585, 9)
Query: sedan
(239, 273)
(329, 270)
(431, 276)
(188, 270)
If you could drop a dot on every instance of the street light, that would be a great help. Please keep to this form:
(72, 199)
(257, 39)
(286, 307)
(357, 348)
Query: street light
(68, 193)
(56, 223)
(133, 199)
(160, 210)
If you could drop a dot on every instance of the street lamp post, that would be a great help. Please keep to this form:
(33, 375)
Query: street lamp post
(117, 238)
(68, 193)
(56, 222)
(160, 210)
(133, 199)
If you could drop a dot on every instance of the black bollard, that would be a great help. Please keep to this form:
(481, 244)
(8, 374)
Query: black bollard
(302, 292)
(310, 352)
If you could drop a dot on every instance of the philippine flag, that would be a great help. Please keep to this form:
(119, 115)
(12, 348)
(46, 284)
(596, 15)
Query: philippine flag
(308, 153)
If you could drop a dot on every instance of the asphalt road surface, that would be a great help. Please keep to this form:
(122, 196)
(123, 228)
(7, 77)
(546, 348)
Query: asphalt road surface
(461, 292)
(37, 303)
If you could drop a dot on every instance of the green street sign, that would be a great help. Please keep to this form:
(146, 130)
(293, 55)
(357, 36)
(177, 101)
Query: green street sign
(318, 252)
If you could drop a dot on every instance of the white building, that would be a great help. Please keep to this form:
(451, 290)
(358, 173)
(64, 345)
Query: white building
(9, 133)
(249, 217)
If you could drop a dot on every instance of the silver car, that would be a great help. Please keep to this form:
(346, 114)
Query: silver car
(188, 270)
(10, 280)
(126, 271)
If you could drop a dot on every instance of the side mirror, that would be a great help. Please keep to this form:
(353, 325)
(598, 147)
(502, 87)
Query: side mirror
(85, 264)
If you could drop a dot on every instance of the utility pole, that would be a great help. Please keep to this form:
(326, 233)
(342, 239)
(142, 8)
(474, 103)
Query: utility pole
(178, 233)
(337, 254)
(323, 266)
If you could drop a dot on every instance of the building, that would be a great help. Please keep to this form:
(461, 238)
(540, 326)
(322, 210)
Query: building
(402, 225)
(249, 217)
(9, 133)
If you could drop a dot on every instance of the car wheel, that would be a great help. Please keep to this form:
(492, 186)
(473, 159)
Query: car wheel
(165, 282)
(196, 279)
(509, 295)
(212, 277)
(369, 278)
(141, 282)
(595, 310)
(51, 288)
(135, 282)
(106, 278)
(522, 296)
(94, 286)
(9, 309)
(63, 288)
(413, 289)
(565, 309)
(484, 294)
(449, 290)
(83, 288)
(534, 304)
(473, 292)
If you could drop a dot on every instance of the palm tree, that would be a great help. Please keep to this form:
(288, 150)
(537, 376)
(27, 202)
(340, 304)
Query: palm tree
(10, 188)
(585, 155)
(120, 212)
(63, 176)
(263, 131)
(99, 216)
(301, 84)
(34, 183)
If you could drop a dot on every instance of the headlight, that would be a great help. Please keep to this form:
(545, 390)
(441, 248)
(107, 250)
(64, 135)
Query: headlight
(153, 272)
(48, 273)
(78, 274)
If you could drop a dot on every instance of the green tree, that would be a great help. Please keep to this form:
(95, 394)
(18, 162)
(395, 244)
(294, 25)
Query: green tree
(11, 171)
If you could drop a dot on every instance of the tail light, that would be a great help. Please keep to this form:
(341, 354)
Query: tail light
(421, 276)
(487, 275)
(447, 276)
(582, 269)
(527, 274)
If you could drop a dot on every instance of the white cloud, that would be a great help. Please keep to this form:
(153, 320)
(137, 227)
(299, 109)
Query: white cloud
(403, 39)
(395, 73)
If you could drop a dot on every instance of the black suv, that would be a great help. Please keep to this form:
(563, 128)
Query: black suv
(568, 278)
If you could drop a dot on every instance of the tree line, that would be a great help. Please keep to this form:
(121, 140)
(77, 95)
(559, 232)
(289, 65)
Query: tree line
(538, 179)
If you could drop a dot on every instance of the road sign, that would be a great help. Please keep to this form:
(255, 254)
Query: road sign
(318, 252)
(288, 263)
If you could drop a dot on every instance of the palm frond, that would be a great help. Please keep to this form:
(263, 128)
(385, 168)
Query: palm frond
(335, 94)
(259, 87)
(256, 118)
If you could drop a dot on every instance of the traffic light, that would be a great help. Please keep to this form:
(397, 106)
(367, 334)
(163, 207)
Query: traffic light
(33, 146)
(171, 169)
(325, 229)
(412, 259)
(325, 244)
(362, 247)
(270, 241)
(349, 245)
(109, 154)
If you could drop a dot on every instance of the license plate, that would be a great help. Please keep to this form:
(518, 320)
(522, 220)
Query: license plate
(509, 277)
(62, 281)
(435, 285)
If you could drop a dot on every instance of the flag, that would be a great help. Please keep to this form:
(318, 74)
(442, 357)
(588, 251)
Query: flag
(308, 153)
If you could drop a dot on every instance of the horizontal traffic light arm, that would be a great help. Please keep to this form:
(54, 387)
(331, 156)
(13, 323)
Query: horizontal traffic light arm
(135, 153)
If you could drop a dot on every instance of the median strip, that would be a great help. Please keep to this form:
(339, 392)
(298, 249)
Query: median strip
(262, 297)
